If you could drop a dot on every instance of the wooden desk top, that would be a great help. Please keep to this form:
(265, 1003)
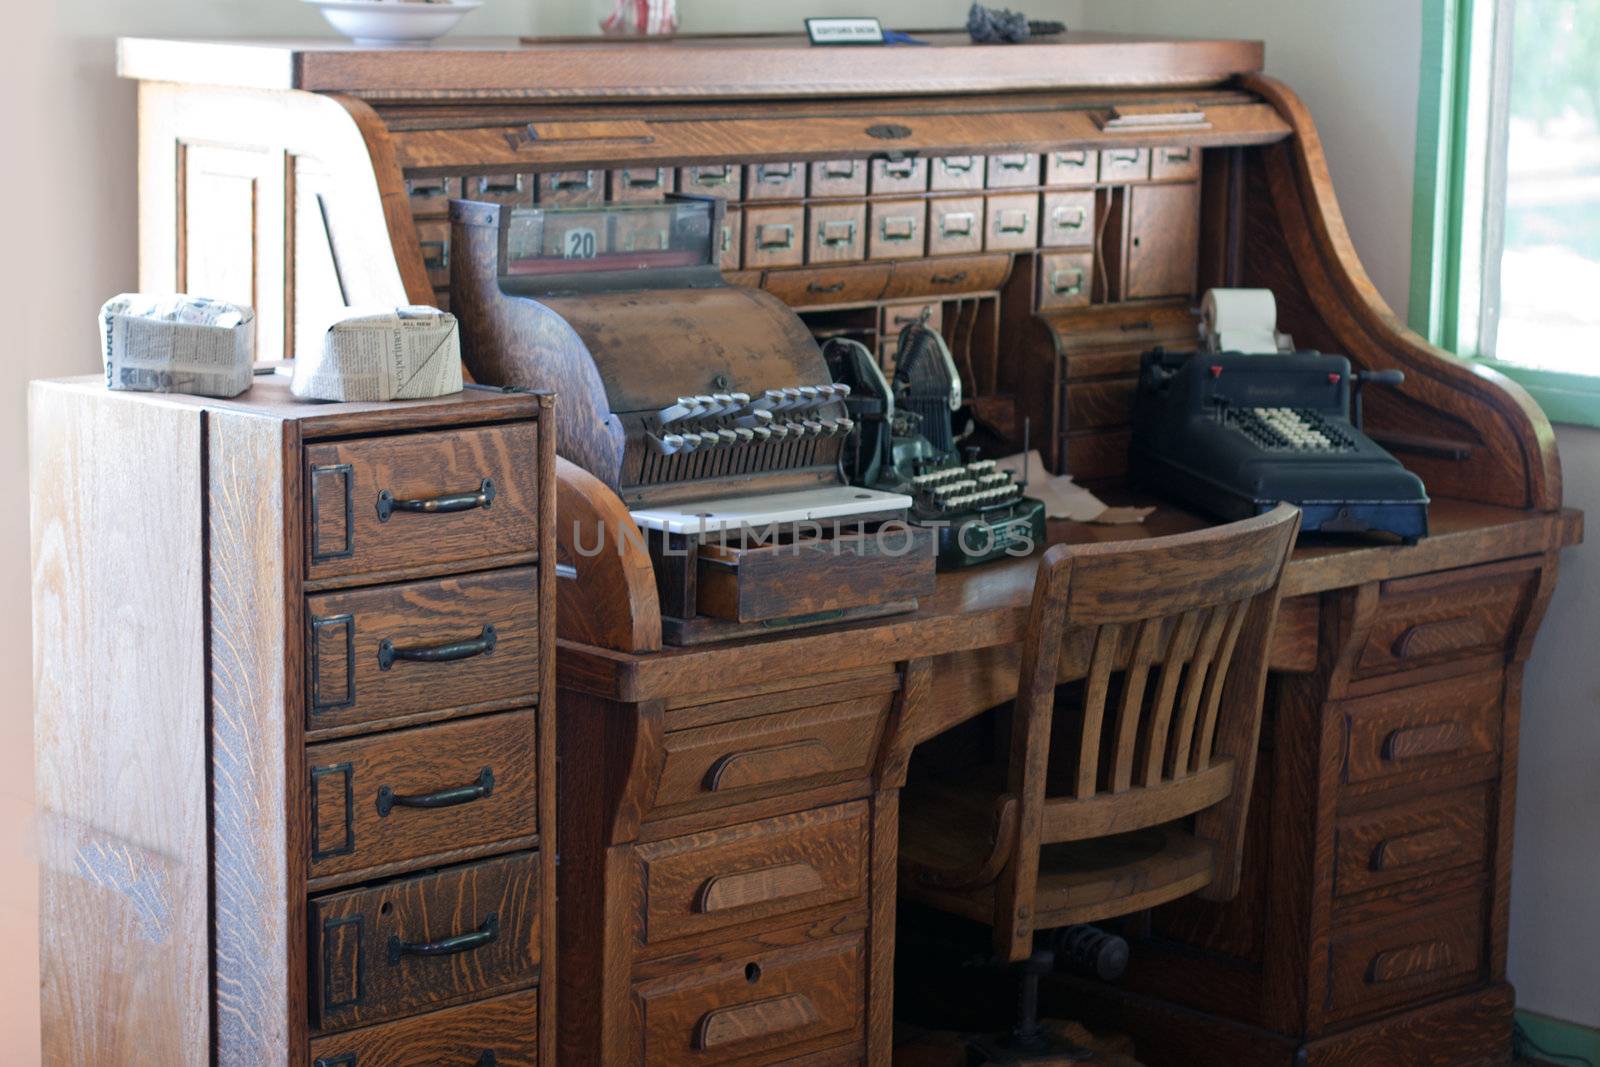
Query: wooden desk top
(986, 606)
(725, 67)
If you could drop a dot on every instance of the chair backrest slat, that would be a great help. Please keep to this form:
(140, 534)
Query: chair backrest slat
(1211, 702)
(1184, 637)
(1194, 682)
(1101, 664)
(1130, 709)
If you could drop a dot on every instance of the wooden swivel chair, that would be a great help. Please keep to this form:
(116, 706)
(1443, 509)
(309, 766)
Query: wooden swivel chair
(1140, 796)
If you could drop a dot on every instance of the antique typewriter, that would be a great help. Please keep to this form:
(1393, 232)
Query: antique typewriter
(1233, 432)
(905, 442)
(707, 408)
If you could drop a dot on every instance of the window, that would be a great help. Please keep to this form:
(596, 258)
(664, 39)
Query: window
(1506, 250)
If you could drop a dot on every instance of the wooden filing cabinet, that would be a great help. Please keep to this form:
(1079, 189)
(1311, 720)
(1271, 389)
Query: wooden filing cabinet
(329, 731)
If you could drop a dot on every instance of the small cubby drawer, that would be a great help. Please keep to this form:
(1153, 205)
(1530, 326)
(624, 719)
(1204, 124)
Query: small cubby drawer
(512, 190)
(566, 187)
(642, 183)
(1175, 163)
(433, 237)
(1410, 840)
(1068, 220)
(1012, 170)
(773, 1006)
(387, 951)
(1012, 222)
(502, 1031)
(836, 233)
(1124, 164)
(775, 181)
(1071, 166)
(697, 885)
(899, 176)
(1065, 280)
(839, 177)
(955, 225)
(718, 179)
(897, 229)
(431, 195)
(438, 647)
(731, 247)
(774, 236)
(439, 500)
(951, 173)
(374, 804)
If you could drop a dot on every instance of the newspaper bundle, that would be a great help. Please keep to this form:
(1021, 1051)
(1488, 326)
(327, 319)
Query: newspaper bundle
(177, 344)
(403, 353)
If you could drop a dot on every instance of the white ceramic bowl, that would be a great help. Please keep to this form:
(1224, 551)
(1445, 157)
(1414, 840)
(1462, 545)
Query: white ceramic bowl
(393, 21)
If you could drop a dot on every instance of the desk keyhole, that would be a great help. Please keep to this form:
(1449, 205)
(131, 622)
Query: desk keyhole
(752, 972)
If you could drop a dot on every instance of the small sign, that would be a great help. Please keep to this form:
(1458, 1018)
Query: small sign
(580, 244)
(833, 31)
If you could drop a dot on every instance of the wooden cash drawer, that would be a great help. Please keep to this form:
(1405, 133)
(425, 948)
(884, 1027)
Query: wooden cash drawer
(832, 285)
(956, 172)
(1071, 167)
(1175, 163)
(1065, 280)
(373, 803)
(430, 501)
(432, 648)
(1012, 170)
(1412, 840)
(646, 184)
(769, 1007)
(723, 179)
(395, 949)
(1068, 220)
(839, 177)
(1449, 729)
(898, 229)
(1011, 222)
(572, 187)
(951, 276)
(1449, 615)
(775, 181)
(791, 747)
(955, 225)
(774, 236)
(697, 885)
(500, 1032)
(836, 233)
(809, 577)
(1407, 958)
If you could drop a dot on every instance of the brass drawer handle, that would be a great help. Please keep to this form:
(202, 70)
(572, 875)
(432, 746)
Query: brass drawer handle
(435, 255)
(727, 238)
(702, 176)
(834, 172)
(388, 799)
(1002, 226)
(967, 218)
(898, 168)
(957, 164)
(450, 946)
(949, 279)
(828, 232)
(785, 241)
(500, 184)
(1071, 159)
(656, 181)
(388, 503)
(813, 287)
(425, 188)
(1068, 218)
(1177, 155)
(482, 645)
(772, 175)
(898, 228)
(1129, 158)
(1012, 162)
(1064, 288)
(565, 181)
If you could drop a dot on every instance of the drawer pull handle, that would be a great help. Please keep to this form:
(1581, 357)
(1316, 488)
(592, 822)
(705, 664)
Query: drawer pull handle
(814, 287)
(1135, 327)
(949, 279)
(784, 240)
(957, 164)
(1069, 218)
(656, 180)
(1411, 961)
(750, 1022)
(835, 232)
(703, 176)
(1060, 284)
(726, 891)
(1019, 222)
(897, 228)
(1410, 849)
(965, 218)
(388, 799)
(427, 188)
(898, 168)
(500, 185)
(570, 180)
(1072, 159)
(763, 766)
(482, 645)
(1012, 162)
(435, 255)
(1129, 158)
(1439, 739)
(840, 169)
(388, 503)
(486, 934)
(1177, 155)
(1445, 635)
(774, 173)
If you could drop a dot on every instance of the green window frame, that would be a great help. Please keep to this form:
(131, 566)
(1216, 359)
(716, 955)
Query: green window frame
(1457, 207)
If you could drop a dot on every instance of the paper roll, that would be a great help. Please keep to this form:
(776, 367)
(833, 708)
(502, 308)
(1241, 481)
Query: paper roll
(1239, 320)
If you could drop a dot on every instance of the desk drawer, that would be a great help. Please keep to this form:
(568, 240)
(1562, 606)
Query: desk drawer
(1073, 166)
(696, 885)
(839, 177)
(1447, 729)
(1175, 163)
(1013, 222)
(1413, 840)
(828, 285)
(1068, 220)
(374, 802)
(1012, 170)
(572, 187)
(647, 184)
(955, 225)
(381, 505)
(836, 233)
(775, 181)
(898, 229)
(1066, 280)
(956, 172)
(502, 1032)
(774, 236)
(392, 950)
(783, 751)
(1448, 615)
(717, 179)
(1407, 958)
(947, 277)
(768, 1008)
(440, 646)
(899, 176)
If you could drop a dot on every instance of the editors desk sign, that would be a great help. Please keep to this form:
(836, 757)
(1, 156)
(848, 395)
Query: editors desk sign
(833, 31)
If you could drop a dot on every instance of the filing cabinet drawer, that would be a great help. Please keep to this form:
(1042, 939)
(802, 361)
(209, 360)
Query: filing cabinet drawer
(1432, 618)
(501, 1032)
(833, 285)
(373, 802)
(732, 243)
(1068, 220)
(1072, 166)
(1012, 170)
(434, 237)
(1175, 163)
(770, 1007)
(641, 183)
(1124, 165)
(948, 173)
(1012, 223)
(899, 176)
(1065, 280)
(781, 751)
(897, 229)
(1406, 958)
(837, 233)
(948, 277)
(774, 236)
(432, 196)
(720, 179)
(1443, 729)
(571, 187)
(378, 505)
(388, 951)
(512, 190)
(955, 225)
(696, 885)
(1411, 840)
(442, 646)
(775, 181)
(839, 177)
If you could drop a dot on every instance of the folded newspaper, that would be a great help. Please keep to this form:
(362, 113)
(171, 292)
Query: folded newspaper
(177, 344)
(381, 353)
